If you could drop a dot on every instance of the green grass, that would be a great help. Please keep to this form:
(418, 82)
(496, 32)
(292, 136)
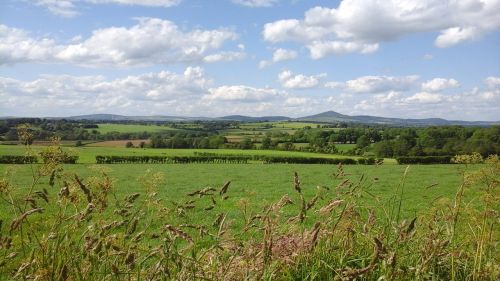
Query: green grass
(343, 147)
(263, 184)
(130, 128)
(87, 154)
(119, 239)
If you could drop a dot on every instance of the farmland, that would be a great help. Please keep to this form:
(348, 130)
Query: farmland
(283, 221)
(87, 153)
(131, 128)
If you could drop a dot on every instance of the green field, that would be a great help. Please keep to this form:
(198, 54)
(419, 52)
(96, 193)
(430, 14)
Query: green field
(408, 208)
(131, 128)
(87, 154)
(263, 184)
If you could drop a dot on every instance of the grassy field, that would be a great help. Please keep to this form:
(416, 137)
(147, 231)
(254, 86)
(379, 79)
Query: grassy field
(137, 222)
(263, 184)
(116, 143)
(131, 128)
(87, 154)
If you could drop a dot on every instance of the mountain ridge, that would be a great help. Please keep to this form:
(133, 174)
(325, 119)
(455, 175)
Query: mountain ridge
(323, 117)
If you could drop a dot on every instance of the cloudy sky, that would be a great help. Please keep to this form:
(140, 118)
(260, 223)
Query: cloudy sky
(394, 58)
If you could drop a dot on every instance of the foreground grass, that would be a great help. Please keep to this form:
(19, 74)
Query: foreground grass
(135, 222)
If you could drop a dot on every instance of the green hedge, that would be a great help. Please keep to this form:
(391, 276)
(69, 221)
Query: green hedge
(228, 159)
(307, 160)
(424, 160)
(17, 159)
(105, 159)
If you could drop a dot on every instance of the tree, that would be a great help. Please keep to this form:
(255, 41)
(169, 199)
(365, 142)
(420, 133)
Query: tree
(266, 142)
(246, 143)
(362, 142)
(288, 146)
(383, 149)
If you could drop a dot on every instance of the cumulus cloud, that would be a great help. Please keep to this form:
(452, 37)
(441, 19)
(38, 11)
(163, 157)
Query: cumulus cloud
(375, 84)
(424, 97)
(150, 41)
(192, 93)
(278, 56)
(68, 8)
(291, 81)
(321, 49)
(256, 3)
(241, 93)
(360, 25)
(439, 84)
(66, 95)
(492, 82)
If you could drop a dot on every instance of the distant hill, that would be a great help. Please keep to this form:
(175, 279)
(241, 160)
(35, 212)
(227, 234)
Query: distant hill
(324, 117)
(335, 117)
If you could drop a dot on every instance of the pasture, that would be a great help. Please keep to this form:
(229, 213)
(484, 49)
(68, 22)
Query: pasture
(87, 153)
(262, 184)
(132, 128)
(127, 221)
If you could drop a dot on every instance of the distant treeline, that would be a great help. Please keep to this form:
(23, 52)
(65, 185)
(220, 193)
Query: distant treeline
(370, 140)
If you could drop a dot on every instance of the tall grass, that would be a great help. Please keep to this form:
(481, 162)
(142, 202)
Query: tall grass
(65, 227)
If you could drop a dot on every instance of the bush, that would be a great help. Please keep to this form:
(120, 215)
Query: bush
(307, 160)
(424, 160)
(16, 159)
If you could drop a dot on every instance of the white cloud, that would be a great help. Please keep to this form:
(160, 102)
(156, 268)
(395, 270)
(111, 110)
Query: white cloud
(290, 81)
(360, 25)
(278, 56)
(225, 56)
(492, 82)
(321, 49)
(256, 3)
(296, 101)
(63, 8)
(455, 35)
(375, 84)
(424, 97)
(69, 95)
(241, 93)
(191, 93)
(150, 41)
(68, 8)
(439, 84)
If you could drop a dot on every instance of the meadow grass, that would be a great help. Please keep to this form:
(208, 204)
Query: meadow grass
(262, 184)
(248, 222)
(132, 128)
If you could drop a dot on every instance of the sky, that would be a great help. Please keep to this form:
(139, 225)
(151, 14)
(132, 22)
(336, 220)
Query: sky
(392, 58)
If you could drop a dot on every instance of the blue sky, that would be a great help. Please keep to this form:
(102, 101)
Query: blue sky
(395, 58)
